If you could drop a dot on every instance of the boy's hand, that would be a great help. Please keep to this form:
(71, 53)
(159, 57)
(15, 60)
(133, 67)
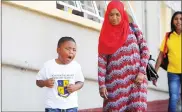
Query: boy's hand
(49, 83)
(71, 88)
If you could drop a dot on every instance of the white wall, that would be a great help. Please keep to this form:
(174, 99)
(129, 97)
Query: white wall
(152, 33)
(30, 39)
(20, 92)
(153, 38)
(0, 62)
(138, 12)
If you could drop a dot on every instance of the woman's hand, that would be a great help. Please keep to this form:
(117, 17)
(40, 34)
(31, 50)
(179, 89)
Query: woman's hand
(154, 82)
(139, 78)
(103, 92)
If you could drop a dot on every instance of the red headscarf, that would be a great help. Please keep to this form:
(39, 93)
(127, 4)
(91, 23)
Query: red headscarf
(113, 37)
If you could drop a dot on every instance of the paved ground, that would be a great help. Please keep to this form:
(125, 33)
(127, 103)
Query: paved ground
(158, 106)
(154, 106)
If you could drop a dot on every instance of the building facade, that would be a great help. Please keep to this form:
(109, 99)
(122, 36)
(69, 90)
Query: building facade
(31, 29)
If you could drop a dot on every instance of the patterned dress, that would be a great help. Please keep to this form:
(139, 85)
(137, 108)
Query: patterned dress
(118, 71)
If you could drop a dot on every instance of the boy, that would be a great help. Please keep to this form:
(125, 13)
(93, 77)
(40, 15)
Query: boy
(62, 78)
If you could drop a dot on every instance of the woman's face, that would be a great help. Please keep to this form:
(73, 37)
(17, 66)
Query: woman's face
(177, 21)
(114, 17)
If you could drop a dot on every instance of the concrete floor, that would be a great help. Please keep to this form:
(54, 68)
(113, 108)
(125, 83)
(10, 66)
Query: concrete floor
(154, 106)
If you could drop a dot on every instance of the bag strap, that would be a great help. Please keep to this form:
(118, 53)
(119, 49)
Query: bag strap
(165, 45)
(134, 30)
(132, 27)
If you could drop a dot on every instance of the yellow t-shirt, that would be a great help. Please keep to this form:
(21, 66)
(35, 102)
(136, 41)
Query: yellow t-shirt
(174, 52)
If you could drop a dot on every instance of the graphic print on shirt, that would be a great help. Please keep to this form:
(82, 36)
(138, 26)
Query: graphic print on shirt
(62, 80)
(62, 89)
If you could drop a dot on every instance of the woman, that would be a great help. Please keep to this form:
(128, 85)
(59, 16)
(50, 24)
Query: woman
(174, 56)
(122, 63)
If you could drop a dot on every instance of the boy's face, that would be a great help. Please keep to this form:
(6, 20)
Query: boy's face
(66, 51)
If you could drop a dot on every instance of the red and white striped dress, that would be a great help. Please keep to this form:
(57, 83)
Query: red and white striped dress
(118, 71)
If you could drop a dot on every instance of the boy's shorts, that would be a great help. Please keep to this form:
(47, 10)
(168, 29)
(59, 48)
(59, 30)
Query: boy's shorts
(61, 110)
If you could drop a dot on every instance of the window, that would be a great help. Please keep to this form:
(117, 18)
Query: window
(87, 9)
(87, 6)
(101, 6)
(68, 4)
(93, 10)
(90, 10)
(174, 5)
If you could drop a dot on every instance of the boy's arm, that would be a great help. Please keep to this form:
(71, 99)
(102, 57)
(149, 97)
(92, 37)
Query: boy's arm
(79, 82)
(42, 81)
(75, 87)
(45, 83)
(78, 85)
(40, 78)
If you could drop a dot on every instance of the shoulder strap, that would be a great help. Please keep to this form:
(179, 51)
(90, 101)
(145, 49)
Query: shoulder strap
(132, 27)
(134, 30)
(165, 45)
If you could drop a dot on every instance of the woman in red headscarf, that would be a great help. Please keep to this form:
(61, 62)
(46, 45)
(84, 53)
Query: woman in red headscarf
(122, 61)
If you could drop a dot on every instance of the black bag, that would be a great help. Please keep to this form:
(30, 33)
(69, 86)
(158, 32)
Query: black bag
(150, 71)
(165, 61)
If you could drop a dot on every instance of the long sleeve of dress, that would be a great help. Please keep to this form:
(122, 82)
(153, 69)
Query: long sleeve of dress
(102, 63)
(144, 51)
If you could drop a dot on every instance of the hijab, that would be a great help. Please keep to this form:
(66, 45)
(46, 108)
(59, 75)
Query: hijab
(112, 37)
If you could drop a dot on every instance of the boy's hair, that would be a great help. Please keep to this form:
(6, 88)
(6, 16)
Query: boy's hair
(64, 39)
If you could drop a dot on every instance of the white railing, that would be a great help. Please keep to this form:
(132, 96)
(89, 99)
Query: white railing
(94, 9)
(91, 8)
(174, 5)
(75, 6)
(132, 14)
